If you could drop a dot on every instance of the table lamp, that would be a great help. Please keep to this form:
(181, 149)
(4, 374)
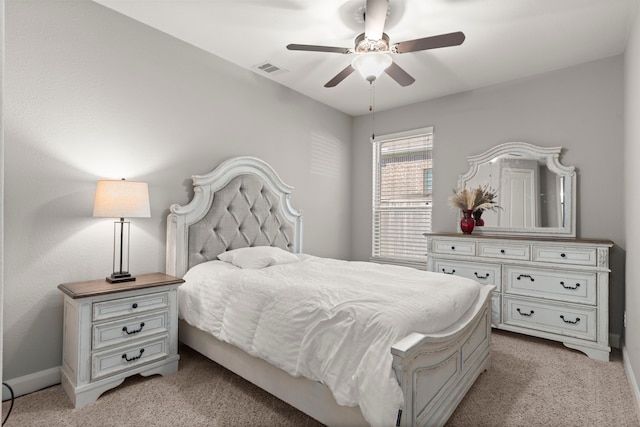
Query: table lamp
(121, 199)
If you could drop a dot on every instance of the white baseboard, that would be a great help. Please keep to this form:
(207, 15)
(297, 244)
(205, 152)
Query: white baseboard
(32, 382)
(631, 378)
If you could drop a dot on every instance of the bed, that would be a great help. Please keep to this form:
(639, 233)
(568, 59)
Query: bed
(243, 206)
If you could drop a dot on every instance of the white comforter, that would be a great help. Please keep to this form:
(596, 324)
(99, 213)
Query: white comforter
(327, 320)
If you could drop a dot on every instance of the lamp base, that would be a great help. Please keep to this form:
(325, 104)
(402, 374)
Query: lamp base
(120, 277)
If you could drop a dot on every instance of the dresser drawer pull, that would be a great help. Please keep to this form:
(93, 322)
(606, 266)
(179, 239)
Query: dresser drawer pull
(135, 331)
(453, 248)
(573, 322)
(124, 356)
(563, 255)
(486, 276)
(502, 251)
(135, 305)
(447, 272)
(525, 314)
(526, 276)
(569, 286)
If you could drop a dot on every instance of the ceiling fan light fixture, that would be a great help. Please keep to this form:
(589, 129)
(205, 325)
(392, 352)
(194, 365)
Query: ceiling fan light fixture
(371, 64)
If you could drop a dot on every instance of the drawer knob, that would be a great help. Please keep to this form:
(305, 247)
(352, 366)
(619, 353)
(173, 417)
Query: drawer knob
(124, 356)
(529, 314)
(502, 251)
(563, 255)
(569, 286)
(135, 331)
(572, 322)
(486, 276)
(525, 276)
(448, 272)
(453, 248)
(135, 305)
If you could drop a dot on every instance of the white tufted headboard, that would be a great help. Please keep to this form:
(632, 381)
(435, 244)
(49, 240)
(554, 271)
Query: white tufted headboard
(242, 202)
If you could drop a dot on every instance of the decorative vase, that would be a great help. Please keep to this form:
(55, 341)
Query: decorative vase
(477, 216)
(467, 222)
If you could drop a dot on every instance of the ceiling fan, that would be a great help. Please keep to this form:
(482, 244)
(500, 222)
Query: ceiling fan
(372, 48)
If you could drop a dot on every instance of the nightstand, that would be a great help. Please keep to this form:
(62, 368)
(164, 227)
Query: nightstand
(115, 330)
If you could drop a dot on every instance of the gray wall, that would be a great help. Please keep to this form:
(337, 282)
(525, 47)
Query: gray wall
(91, 94)
(632, 202)
(1, 178)
(579, 108)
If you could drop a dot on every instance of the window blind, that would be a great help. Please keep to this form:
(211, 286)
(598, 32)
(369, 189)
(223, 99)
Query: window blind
(402, 197)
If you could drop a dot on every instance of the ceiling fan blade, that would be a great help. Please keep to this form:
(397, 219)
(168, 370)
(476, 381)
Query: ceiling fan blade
(375, 17)
(340, 76)
(315, 48)
(433, 42)
(399, 75)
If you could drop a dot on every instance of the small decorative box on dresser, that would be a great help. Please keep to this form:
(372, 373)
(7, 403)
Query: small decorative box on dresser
(115, 330)
(550, 288)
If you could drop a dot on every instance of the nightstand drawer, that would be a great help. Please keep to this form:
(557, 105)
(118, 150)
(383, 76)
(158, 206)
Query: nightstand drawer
(454, 247)
(561, 285)
(122, 331)
(130, 306)
(111, 362)
(562, 319)
(578, 256)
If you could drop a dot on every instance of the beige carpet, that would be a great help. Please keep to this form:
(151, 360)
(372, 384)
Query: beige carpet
(532, 382)
(536, 382)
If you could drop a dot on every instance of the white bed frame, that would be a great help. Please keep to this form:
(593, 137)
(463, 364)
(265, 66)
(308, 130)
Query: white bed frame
(434, 371)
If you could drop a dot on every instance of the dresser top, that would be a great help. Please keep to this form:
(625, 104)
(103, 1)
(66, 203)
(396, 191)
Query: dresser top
(528, 238)
(92, 288)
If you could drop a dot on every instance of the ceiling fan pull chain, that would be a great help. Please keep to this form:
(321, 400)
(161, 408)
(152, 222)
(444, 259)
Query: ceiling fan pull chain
(371, 109)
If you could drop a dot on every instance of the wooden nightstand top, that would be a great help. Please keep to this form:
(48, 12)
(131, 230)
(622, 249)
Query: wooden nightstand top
(92, 288)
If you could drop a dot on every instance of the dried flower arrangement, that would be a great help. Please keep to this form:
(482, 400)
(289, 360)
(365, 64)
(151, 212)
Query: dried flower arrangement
(475, 199)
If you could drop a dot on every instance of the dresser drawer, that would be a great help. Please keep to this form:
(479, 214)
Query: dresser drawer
(110, 362)
(128, 306)
(127, 330)
(577, 256)
(487, 274)
(561, 319)
(561, 285)
(504, 250)
(454, 247)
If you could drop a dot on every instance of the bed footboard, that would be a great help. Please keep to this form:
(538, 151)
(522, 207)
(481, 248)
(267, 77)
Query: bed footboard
(436, 371)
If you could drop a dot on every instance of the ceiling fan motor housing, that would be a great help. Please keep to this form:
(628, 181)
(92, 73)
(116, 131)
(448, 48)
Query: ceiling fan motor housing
(363, 44)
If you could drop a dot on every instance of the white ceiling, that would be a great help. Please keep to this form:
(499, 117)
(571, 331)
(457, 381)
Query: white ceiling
(505, 40)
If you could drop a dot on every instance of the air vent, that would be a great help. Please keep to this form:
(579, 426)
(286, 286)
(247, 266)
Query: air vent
(269, 68)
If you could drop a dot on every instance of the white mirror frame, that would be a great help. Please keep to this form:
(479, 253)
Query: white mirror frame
(550, 155)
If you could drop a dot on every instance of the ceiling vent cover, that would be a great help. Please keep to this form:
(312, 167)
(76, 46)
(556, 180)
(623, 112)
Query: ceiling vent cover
(269, 68)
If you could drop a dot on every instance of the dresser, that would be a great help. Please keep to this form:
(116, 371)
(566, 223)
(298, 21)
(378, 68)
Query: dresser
(556, 289)
(115, 330)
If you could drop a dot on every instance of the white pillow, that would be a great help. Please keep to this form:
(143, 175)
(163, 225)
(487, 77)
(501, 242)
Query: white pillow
(258, 257)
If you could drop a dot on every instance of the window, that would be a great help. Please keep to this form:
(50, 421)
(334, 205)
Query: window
(402, 197)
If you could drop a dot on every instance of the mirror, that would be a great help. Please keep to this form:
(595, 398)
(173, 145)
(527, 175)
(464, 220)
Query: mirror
(536, 193)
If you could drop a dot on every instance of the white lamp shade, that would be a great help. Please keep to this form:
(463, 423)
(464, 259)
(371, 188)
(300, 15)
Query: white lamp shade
(122, 199)
(371, 64)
